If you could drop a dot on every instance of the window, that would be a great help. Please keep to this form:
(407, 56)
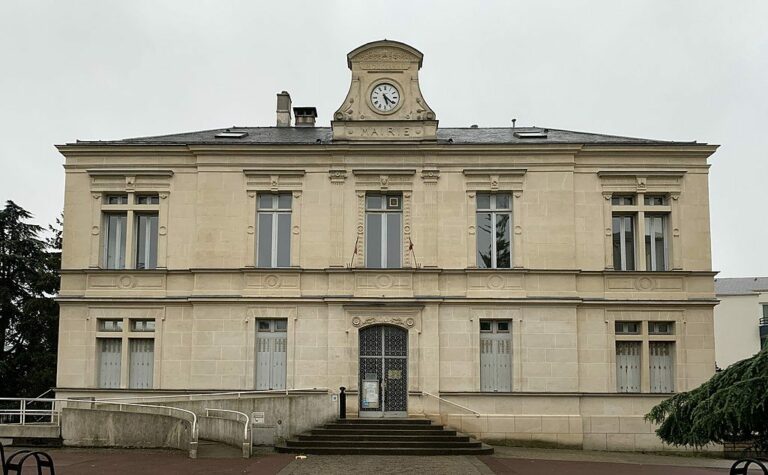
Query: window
(147, 200)
(628, 328)
(274, 230)
(640, 229)
(383, 230)
(623, 242)
(655, 242)
(110, 325)
(142, 362)
(109, 362)
(495, 356)
(494, 221)
(140, 343)
(114, 242)
(116, 199)
(661, 328)
(661, 366)
(633, 345)
(271, 351)
(142, 325)
(146, 241)
(139, 214)
(628, 366)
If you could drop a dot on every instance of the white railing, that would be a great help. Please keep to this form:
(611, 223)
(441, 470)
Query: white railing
(477, 414)
(22, 415)
(237, 394)
(247, 418)
(192, 421)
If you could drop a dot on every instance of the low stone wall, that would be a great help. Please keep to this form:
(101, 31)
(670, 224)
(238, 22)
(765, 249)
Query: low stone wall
(589, 422)
(29, 431)
(288, 415)
(228, 431)
(108, 428)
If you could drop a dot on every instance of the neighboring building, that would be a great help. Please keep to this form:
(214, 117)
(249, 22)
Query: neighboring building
(557, 282)
(741, 318)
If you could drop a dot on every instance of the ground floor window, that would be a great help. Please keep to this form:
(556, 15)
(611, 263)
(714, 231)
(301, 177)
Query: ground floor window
(142, 358)
(645, 351)
(110, 356)
(495, 355)
(628, 366)
(661, 366)
(271, 351)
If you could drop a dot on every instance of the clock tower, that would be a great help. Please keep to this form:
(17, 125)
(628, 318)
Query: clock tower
(384, 102)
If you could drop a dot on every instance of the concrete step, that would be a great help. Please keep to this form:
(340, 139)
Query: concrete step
(482, 450)
(366, 427)
(355, 431)
(404, 438)
(382, 444)
(383, 421)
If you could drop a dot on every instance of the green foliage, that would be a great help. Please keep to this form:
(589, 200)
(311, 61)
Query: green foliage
(29, 279)
(731, 407)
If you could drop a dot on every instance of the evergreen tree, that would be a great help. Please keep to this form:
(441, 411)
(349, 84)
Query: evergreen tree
(29, 279)
(731, 407)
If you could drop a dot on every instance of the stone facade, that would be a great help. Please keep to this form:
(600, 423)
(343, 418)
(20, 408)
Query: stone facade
(560, 293)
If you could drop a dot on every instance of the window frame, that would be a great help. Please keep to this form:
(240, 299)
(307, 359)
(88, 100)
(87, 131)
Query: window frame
(385, 209)
(494, 210)
(131, 210)
(125, 334)
(274, 212)
(646, 337)
(644, 211)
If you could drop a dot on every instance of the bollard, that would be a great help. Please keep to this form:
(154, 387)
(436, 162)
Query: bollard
(342, 403)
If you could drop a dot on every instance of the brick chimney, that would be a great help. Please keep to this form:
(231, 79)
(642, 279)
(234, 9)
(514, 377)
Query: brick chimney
(283, 109)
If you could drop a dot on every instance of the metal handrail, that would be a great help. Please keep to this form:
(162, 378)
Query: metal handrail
(130, 404)
(229, 411)
(764, 320)
(477, 414)
(255, 392)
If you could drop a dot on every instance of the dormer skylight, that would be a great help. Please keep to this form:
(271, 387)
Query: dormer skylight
(539, 134)
(231, 134)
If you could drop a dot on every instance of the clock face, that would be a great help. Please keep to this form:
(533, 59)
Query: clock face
(385, 97)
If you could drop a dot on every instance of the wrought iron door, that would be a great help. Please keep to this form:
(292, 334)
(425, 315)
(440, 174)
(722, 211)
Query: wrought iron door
(383, 371)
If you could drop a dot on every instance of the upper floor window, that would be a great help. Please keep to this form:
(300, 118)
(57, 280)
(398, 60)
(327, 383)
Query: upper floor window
(493, 230)
(383, 230)
(274, 230)
(142, 221)
(640, 226)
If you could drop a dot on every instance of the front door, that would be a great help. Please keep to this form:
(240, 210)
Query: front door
(383, 371)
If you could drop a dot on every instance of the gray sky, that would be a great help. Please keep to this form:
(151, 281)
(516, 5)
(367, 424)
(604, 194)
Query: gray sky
(678, 70)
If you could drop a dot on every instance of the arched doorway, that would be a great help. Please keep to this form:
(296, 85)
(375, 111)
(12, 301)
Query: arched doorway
(383, 371)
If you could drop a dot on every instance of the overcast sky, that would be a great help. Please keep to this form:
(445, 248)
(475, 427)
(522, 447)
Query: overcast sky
(677, 70)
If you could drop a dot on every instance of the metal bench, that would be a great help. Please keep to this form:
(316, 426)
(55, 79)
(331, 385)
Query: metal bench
(741, 467)
(15, 461)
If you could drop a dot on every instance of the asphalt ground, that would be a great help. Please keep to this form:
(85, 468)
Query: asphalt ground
(517, 461)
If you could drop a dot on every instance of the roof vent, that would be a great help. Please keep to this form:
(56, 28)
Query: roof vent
(539, 134)
(473, 126)
(305, 116)
(231, 134)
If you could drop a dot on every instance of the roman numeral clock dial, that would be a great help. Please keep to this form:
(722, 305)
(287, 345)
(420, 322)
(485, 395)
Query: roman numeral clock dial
(385, 97)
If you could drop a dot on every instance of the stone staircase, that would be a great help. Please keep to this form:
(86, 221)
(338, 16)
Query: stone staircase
(384, 437)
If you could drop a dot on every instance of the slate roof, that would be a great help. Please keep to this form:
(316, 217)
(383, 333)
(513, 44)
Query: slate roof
(312, 135)
(740, 285)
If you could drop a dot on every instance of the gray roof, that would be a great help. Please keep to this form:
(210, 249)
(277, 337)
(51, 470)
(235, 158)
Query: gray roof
(312, 135)
(740, 285)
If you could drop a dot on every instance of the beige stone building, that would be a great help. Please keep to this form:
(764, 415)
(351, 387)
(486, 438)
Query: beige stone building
(549, 286)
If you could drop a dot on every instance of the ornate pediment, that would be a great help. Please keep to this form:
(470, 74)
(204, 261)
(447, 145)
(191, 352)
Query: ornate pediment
(384, 102)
